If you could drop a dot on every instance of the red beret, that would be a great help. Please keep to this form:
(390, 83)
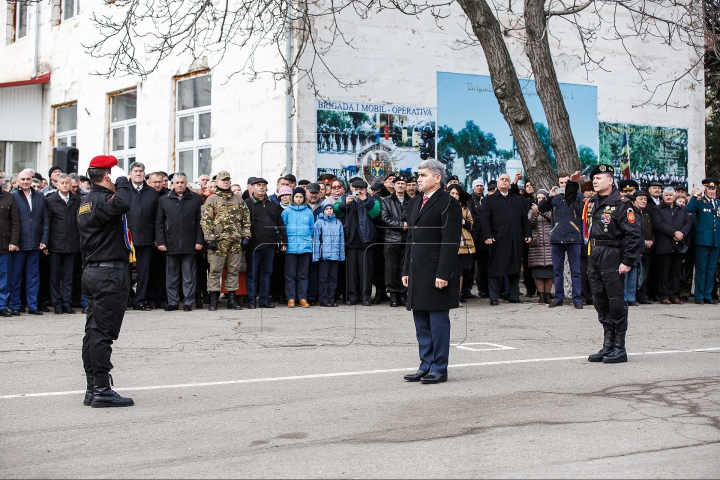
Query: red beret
(103, 161)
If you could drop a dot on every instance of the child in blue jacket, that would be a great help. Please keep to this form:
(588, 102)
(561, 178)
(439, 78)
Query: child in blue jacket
(299, 221)
(328, 247)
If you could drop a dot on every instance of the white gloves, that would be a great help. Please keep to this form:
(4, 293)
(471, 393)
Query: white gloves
(117, 172)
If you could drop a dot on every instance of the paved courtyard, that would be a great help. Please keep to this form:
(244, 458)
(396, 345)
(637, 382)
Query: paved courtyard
(319, 393)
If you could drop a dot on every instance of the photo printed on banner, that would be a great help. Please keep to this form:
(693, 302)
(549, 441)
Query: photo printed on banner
(474, 140)
(371, 140)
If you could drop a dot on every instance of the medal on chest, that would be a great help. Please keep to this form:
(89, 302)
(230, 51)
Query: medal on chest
(606, 218)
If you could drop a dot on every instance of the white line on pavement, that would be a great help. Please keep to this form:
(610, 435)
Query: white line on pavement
(344, 374)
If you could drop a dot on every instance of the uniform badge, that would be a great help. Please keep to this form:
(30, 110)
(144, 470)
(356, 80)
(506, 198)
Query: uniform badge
(85, 208)
(630, 215)
(606, 218)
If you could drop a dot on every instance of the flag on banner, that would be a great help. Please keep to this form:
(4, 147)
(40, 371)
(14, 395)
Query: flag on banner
(625, 157)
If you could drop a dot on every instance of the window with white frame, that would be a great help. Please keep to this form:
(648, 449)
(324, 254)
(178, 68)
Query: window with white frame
(193, 126)
(21, 22)
(123, 127)
(17, 156)
(66, 126)
(70, 8)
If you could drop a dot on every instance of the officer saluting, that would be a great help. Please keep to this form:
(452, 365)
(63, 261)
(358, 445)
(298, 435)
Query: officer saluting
(707, 238)
(106, 247)
(615, 241)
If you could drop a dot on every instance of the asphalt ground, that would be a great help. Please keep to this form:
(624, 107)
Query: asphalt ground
(318, 392)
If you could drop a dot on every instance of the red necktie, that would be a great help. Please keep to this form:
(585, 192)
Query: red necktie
(425, 199)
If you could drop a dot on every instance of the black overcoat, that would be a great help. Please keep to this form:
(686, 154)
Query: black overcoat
(64, 233)
(177, 225)
(504, 218)
(432, 252)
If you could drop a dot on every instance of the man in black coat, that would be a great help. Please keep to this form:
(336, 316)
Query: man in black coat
(9, 240)
(141, 221)
(393, 212)
(506, 229)
(431, 270)
(179, 235)
(157, 295)
(64, 246)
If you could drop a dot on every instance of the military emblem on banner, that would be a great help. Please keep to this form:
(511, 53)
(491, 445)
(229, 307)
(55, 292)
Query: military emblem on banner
(377, 168)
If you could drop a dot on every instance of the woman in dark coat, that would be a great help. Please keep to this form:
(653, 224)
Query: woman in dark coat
(672, 226)
(540, 251)
(466, 252)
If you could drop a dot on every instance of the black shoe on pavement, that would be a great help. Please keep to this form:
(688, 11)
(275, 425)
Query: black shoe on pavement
(644, 301)
(699, 301)
(107, 397)
(714, 302)
(6, 313)
(434, 377)
(555, 303)
(84, 310)
(35, 312)
(143, 307)
(515, 301)
(351, 303)
(267, 305)
(69, 310)
(15, 312)
(403, 300)
(416, 377)
(171, 308)
(325, 304)
(578, 305)
(251, 305)
(493, 303)
(43, 308)
(58, 311)
(633, 304)
(367, 303)
(393, 300)
(187, 308)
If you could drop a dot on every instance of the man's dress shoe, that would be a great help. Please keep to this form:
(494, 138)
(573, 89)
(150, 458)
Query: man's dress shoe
(415, 377)
(434, 377)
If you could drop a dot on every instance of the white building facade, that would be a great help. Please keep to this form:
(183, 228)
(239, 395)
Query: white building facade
(197, 117)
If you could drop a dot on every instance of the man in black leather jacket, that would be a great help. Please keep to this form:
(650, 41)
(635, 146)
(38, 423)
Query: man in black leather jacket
(394, 220)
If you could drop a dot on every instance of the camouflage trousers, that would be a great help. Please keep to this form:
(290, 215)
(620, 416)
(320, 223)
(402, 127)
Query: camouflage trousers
(217, 262)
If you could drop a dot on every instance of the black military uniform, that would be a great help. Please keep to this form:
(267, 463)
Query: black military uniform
(105, 281)
(615, 236)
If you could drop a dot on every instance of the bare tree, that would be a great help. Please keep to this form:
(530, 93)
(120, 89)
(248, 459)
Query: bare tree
(136, 36)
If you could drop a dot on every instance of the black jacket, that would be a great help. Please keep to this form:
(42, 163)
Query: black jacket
(177, 224)
(266, 223)
(394, 215)
(433, 241)
(102, 236)
(34, 226)
(64, 234)
(142, 214)
(9, 222)
(566, 220)
(505, 219)
(667, 221)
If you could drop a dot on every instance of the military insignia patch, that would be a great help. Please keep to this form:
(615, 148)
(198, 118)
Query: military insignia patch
(85, 208)
(603, 168)
(630, 215)
(606, 218)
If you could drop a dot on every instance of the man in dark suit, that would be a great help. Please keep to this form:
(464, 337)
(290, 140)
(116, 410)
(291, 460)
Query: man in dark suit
(431, 270)
(141, 222)
(34, 236)
(64, 246)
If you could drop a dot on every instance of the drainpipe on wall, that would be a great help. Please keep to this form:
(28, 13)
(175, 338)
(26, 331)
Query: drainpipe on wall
(37, 39)
(288, 97)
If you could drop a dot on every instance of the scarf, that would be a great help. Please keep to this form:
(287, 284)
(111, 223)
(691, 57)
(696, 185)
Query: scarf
(128, 241)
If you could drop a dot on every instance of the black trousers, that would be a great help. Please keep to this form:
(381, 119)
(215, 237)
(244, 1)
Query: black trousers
(181, 271)
(156, 287)
(328, 279)
(687, 270)
(642, 291)
(482, 257)
(495, 286)
(44, 295)
(585, 279)
(394, 254)
(62, 268)
(106, 290)
(143, 267)
(608, 287)
(313, 283)
(378, 279)
(359, 270)
(669, 265)
(201, 266)
(528, 279)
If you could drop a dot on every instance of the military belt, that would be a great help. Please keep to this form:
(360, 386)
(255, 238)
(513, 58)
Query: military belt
(605, 243)
(121, 265)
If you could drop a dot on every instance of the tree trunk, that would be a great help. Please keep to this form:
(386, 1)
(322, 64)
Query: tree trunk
(548, 89)
(508, 93)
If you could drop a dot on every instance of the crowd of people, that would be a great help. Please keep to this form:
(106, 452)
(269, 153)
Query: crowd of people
(327, 241)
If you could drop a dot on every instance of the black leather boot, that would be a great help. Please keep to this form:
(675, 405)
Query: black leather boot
(541, 297)
(403, 299)
(619, 354)
(198, 300)
(608, 345)
(232, 302)
(214, 296)
(104, 396)
(89, 390)
(393, 300)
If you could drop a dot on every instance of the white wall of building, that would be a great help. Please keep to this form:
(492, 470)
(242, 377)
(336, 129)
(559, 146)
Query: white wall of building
(396, 56)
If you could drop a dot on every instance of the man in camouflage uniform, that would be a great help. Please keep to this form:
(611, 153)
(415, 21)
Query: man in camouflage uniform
(226, 224)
